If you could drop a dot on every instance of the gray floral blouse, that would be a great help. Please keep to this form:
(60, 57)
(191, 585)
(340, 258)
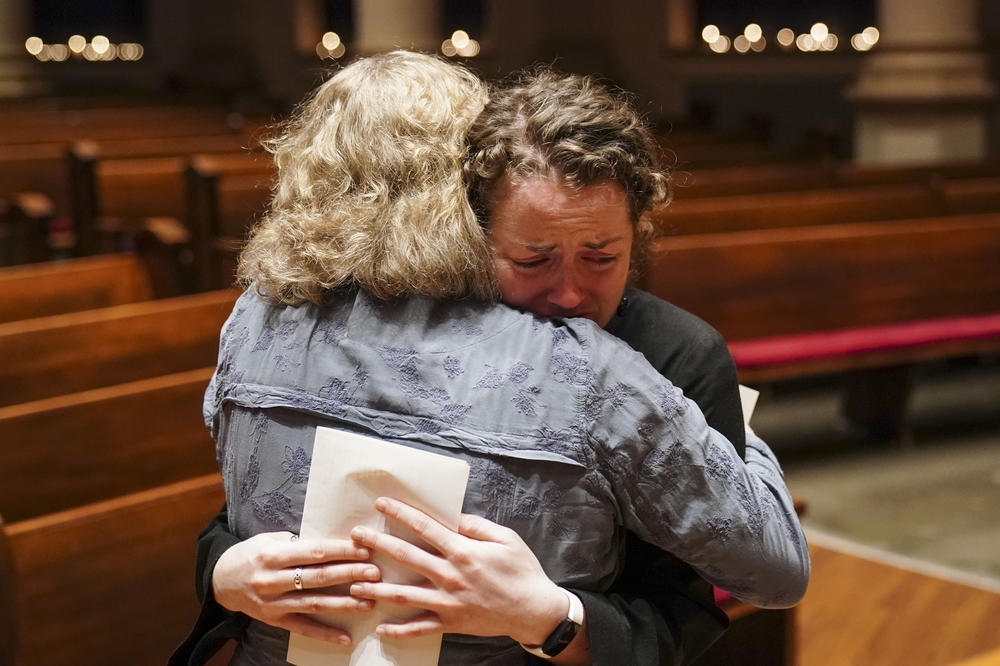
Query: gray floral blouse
(571, 436)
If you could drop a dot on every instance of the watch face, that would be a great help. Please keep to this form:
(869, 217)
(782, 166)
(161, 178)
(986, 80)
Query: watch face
(562, 636)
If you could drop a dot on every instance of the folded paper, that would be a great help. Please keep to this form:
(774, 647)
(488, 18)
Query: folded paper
(348, 472)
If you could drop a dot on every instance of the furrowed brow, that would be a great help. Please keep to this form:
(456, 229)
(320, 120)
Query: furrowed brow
(603, 244)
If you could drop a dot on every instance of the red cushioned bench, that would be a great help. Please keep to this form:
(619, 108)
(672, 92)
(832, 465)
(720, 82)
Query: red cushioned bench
(872, 298)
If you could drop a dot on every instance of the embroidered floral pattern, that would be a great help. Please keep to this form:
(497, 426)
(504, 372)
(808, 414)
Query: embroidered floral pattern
(284, 364)
(252, 477)
(296, 464)
(272, 508)
(571, 369)
(404, 362)
(493, 379)
(452, 367)
(519, 372)
(524, 400)
(264, 340)
(340, 392)
(331, 333)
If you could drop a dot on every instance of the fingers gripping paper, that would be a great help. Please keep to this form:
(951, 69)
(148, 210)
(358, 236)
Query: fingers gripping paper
(348, 472)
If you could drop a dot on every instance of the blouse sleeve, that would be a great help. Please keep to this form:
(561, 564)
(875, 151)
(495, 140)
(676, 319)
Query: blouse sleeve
(681, 486)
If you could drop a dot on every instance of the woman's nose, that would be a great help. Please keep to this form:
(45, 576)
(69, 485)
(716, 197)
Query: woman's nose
(566, 293)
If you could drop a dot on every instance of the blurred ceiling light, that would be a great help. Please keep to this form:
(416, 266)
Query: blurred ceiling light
(34, 45)
(470, 50)
(128, 51)
(752, 32)
(90, 54)
(60, 52)
(741, 44)
(110, 53)
(859, 43)
(870, 35)
(786, 36)
(100, 44)
(831, 42)
(721, 45)
(331, 40)
(819, 31)
(460, 39)
(448, 48)
(710, 34)
(44, 54)
(759, 45)
(805, 43)
(77, 43)
(339, 51)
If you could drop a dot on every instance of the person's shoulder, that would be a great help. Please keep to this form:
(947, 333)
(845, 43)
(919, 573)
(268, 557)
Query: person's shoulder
(652, 309)
(646, 315)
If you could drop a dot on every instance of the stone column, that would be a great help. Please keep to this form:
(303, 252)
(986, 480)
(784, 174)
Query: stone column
(680, 25)
(384, 25)
(18, 71)
(924, 94)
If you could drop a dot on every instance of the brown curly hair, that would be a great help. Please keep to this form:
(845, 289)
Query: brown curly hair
(575, 129)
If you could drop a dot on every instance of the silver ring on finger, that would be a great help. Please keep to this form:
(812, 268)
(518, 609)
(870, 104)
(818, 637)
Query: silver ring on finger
(297, 579)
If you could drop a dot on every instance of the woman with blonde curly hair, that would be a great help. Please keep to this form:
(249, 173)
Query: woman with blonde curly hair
(372, 308)
(370, 191)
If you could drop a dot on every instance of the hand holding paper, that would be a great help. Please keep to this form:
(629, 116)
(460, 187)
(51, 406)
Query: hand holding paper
(485, 580)
(348, 473)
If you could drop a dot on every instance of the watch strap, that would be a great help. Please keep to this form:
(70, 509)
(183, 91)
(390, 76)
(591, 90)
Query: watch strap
(565, 631)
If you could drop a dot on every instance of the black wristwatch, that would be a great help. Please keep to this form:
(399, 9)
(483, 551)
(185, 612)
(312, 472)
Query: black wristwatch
(564, 633)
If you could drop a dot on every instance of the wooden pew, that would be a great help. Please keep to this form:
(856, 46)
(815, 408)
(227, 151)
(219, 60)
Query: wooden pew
(110, 583)
(792, 209)
(223, 204)
(119, 123)
(39, 290)
(878, 296)
(697, 183)
(8, 604)
(62, 173)
(116, 196)
(79, 448)
(67, 353)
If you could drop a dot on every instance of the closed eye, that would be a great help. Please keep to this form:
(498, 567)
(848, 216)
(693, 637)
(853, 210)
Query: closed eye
(530, 263)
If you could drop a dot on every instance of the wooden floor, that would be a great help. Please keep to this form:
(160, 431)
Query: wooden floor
(858, 612)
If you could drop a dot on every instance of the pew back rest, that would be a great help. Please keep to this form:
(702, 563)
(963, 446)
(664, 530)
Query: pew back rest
(37, 168)
(67, 353)
(794, 209)
(111, 583)
(84, 447)
(134, 188)
(8, 603)
(50, 288)
(761, 283)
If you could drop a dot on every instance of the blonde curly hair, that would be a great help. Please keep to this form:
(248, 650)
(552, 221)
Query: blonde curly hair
(370, 191)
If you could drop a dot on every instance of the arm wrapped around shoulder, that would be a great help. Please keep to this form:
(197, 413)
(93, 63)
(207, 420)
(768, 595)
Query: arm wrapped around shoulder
(682, 487)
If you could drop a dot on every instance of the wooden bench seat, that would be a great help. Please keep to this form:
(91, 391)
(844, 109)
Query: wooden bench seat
(39, 290)
(83, 447)
(110, 583)
(67, 353)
